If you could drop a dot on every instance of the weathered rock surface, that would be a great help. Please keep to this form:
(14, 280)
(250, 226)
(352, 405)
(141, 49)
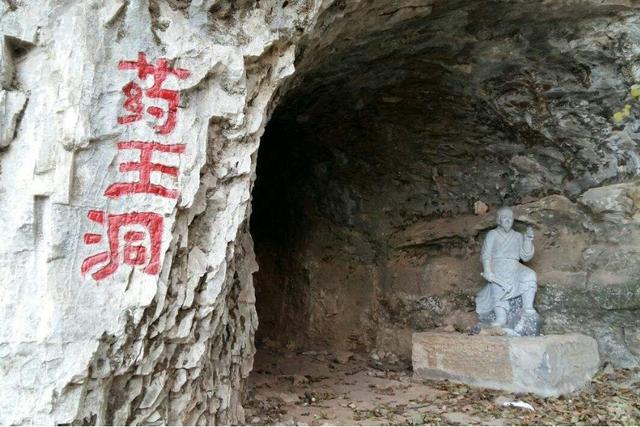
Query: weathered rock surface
(402, 116)
(547, 365)
(133, 348)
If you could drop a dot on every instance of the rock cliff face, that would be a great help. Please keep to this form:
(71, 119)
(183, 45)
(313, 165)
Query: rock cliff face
(389, 122)
(167, 339)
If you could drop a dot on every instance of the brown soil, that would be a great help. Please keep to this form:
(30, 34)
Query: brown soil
(313, 388)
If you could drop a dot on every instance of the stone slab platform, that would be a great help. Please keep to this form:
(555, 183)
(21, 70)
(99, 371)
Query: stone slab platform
(547, 365)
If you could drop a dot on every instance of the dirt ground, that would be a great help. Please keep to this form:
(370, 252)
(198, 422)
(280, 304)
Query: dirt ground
(318, 388)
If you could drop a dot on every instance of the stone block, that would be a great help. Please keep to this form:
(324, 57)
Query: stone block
(546, 365)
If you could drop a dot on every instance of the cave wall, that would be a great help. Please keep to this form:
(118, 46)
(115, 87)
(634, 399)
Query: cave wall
(393, 129)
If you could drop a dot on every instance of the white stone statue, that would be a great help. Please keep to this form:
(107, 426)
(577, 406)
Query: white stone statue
(502, 251)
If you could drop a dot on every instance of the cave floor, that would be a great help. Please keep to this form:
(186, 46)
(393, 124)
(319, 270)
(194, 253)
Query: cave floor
(313, 388)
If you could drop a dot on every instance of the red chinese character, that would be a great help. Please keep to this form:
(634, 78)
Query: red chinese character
(134, 228)
(144, 168)
(134, 104)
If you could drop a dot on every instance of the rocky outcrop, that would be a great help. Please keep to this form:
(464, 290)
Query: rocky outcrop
(400, 116)
(171, 342)
(600, 296)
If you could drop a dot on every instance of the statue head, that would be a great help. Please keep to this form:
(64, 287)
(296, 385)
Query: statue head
(504, 218)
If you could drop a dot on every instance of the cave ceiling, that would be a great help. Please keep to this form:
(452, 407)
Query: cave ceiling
(448, 102)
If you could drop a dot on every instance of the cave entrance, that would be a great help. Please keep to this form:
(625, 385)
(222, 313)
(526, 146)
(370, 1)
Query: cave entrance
(399, 130)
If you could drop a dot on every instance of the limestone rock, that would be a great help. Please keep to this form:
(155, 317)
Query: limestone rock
(11, 107)
(480, 208)
(80, 350)
(546, 365)
(616, 203)
(397, 117)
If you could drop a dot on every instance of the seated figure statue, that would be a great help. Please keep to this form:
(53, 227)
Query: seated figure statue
(508, 279)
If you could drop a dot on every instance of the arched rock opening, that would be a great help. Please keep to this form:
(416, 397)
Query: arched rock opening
(397, 121)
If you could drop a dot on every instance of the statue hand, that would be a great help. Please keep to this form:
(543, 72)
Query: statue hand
(529, 233)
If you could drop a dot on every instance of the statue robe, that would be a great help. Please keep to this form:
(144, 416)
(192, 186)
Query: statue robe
(504, 251)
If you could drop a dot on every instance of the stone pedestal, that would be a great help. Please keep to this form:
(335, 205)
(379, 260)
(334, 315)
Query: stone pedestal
(546, 365)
